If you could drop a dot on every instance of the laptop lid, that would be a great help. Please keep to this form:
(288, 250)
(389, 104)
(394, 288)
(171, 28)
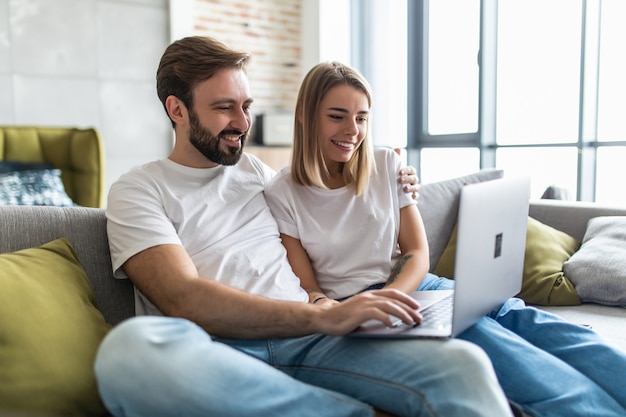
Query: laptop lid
(491, 242)
(489, 259)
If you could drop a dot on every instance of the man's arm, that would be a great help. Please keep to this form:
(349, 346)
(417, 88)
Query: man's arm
(167, 276)
(408, 177)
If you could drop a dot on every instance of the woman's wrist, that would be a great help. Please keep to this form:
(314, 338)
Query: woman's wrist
(315, 296)
(319, 298)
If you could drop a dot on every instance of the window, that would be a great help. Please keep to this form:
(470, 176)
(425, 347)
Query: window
(442, 163)
(538, 64)
(545, 99)
(612, 80)
(452, 81)
(380, 53)
(611, 170)
(550, 166)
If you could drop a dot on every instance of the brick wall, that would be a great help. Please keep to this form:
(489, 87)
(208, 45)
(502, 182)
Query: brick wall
(270, 30)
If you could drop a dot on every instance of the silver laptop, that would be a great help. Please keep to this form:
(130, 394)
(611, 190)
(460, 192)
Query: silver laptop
(489, 262)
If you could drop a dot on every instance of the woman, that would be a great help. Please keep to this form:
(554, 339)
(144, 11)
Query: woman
(347, 228)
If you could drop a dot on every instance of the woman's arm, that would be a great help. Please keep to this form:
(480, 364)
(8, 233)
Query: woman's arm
(301, 265)
(408, 272)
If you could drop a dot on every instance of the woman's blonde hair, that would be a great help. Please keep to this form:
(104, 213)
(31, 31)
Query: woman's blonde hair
(307, 162)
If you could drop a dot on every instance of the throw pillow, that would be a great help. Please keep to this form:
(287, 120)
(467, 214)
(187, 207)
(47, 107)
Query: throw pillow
(543, 282)
(34, 188)
(50, 330)
(598, 268)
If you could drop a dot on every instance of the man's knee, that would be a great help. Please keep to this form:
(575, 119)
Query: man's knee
(142, 342)
(143, 353)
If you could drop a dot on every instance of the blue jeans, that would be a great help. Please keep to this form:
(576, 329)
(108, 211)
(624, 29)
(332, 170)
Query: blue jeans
(546, 365)
(164, 367)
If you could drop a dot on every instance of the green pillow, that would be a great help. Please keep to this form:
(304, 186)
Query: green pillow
(50, 330)
(544, 282)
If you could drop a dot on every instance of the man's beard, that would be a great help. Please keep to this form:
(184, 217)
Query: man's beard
(209, 144)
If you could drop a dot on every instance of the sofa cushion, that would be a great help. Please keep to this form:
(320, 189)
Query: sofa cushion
(543, 282)
(50, 330)
(33, 188)
(598, 268)
(439, 206)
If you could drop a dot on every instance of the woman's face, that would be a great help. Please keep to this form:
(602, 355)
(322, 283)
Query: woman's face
(343, 118)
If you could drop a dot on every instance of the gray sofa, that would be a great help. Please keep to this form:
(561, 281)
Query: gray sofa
(25, 227)
(572, 217)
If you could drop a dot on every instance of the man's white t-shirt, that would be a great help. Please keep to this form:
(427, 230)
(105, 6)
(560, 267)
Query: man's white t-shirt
(352, 241)
(219, 215)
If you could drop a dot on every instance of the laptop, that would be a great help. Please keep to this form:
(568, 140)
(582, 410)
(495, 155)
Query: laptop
(489, 263)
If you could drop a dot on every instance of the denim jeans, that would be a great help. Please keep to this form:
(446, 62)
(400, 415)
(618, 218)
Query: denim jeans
(165, 367)
(548, 366)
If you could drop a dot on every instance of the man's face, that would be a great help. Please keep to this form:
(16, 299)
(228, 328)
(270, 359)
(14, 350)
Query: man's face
(221, 105)
(211, 145)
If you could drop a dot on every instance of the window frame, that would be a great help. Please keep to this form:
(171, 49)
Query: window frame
(484, 139)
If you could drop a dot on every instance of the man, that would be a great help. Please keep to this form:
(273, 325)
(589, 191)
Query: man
(195, 236)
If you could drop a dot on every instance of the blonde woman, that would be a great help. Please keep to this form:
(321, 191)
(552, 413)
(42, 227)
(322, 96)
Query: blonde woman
(348, 228)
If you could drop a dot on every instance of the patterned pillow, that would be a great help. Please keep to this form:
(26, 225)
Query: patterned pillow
(10, 166)
(33, 188)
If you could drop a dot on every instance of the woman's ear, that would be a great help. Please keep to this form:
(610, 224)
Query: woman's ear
(176, 109)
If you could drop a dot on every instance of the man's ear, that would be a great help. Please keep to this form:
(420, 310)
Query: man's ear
(176, 109)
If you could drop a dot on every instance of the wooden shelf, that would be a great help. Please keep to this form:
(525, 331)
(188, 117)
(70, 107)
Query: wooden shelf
(275, 157)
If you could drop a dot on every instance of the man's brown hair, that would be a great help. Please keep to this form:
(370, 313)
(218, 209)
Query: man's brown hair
(190, 60)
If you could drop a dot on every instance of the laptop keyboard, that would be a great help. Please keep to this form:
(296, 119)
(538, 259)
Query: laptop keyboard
(438, 314)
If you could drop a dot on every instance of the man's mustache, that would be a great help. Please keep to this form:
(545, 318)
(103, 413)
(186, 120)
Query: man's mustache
(232, 132)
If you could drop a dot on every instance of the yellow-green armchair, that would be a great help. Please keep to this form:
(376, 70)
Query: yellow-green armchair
(77, 153)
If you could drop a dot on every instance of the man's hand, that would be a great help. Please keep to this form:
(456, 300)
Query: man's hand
(341, 318)
(408, 177)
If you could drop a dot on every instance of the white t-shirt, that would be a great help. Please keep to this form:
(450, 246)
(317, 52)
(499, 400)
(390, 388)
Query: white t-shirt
(352, 241)
(219, 215)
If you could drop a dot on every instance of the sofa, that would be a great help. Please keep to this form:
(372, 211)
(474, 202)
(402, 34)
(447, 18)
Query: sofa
(58, 297)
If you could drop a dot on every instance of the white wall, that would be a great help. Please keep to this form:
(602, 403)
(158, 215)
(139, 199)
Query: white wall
(92, 63)
(87, 63)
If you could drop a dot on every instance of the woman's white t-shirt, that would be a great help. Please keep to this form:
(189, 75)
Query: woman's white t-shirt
(352, 241)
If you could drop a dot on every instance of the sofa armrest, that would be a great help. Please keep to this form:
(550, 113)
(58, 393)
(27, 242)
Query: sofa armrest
(23, 227)
(570, 217)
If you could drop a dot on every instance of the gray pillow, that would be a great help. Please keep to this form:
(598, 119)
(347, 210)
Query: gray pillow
(598, 268)
(439, 206)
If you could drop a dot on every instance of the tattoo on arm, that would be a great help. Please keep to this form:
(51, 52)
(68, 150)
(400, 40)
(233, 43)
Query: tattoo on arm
(397, 268)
